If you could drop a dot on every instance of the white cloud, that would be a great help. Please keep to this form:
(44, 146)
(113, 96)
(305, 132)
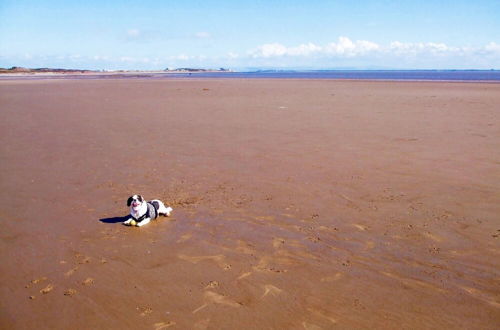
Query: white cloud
(304, 50)
(133, 33)
(269, 50)
(130, 59)
(347, 48)
(492, 47)
(100, 58)
(202, 35)
(142, 35)
(181, 57)
(344, 47)
(127, 59)
(276, 49)
(401, 48)
(364, 53)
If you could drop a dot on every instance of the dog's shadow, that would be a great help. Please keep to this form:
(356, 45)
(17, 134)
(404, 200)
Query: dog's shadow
(114, 219)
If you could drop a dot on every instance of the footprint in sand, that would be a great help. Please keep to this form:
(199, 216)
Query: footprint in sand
(212, 284)
(218, 259)
(369, 245)
(81, 260)
(314, 239)
(216, 298)
(211, 297)
(244, 275)
(71, 271)
(360, 227)
(245, 247)
(47, 289)
(202, 324)
(433, 237)
(350, 203)
(184, 238)
(310, 326)
(70, 292)
(333, 278)
(484, 296)
(328, 229)
(35, 281)
(199, 308)
(163, 325)
(264, 264)
(84, 260)
(322, 314)
(278, 242)
(88, 281)
(265, 218)
(412, 283)
(144, 310)
(271, 289)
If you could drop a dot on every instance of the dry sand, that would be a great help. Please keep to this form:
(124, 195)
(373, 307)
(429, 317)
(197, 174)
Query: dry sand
(298, 204)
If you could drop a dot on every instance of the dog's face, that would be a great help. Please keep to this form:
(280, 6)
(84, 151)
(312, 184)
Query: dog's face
(135, 201)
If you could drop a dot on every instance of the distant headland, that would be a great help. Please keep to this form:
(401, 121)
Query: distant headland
(23, 70)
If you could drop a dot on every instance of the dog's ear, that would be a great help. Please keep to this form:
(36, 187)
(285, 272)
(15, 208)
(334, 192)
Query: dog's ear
(129, 200)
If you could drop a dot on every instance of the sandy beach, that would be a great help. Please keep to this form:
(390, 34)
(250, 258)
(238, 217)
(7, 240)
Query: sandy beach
(298, 204)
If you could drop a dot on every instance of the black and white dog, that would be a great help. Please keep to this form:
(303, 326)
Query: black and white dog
(142, 212)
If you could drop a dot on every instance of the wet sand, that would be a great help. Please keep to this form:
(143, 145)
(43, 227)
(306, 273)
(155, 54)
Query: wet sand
(298, 204)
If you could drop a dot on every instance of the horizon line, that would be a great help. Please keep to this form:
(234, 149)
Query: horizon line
(20, 69)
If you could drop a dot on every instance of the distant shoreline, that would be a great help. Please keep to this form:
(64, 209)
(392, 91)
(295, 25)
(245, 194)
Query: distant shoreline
(45, 71)
(23, 70)
(491, 76)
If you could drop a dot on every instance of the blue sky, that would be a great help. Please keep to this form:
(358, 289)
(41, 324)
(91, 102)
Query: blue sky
(314, 34)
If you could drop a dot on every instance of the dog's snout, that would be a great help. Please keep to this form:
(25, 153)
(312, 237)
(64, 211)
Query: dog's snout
(135, 200)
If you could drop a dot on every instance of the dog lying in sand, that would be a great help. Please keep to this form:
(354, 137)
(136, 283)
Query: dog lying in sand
(142, 212)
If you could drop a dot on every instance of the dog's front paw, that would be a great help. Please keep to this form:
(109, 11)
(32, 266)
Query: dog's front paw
(128, 222)
(168, 211)
(143, 222)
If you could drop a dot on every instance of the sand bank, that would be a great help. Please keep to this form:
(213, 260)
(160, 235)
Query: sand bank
(298, 204)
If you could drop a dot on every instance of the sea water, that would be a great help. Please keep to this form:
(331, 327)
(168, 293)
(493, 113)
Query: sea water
(444, 75)
(409, 75)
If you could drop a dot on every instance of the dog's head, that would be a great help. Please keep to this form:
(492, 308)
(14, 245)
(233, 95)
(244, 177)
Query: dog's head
(135, 201)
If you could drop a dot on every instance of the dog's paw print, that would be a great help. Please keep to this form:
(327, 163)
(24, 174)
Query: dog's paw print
(70, 292)
(47, 289)
(144, 310)
(35, 281)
